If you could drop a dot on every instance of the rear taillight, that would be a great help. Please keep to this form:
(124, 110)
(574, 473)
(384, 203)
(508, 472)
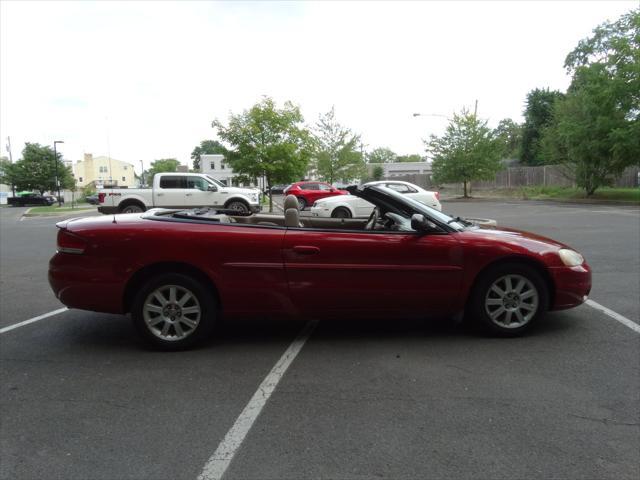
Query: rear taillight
(437, 195)
(101, 196)
(70, 243)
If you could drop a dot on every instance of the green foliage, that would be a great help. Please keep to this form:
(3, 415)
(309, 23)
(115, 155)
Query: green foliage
(37, 170)
(408, 158)
(207, 147)
(382, 155)
(467, 151)
(267, 141)
(509, 134)
(336, 154)
(160, 166)
(538, 114)
(378, 172)
(596, 127)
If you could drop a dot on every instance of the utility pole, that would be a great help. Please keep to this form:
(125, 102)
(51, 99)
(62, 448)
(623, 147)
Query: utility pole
(55, 159)
(142, 173)
(475, 110)
(13, 187)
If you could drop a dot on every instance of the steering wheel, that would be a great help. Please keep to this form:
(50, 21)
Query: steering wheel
(373, 220)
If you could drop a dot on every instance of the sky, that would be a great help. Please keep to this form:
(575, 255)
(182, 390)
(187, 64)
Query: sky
(144, 80)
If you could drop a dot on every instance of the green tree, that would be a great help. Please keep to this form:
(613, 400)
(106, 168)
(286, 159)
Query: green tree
(37, 170)
(382, 155)
(378, 172)
(414, 157)
(509, 133)
(267, 141)
(336, 150)
(207, 147)
(538, 115)
(467, 151)
(160, 166)
(596, 127)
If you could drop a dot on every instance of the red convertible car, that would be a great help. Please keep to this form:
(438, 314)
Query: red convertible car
(177, 272)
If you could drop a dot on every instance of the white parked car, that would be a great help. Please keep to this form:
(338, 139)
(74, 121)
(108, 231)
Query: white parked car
(350, 206)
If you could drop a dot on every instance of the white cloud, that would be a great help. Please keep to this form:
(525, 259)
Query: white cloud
(151, 76)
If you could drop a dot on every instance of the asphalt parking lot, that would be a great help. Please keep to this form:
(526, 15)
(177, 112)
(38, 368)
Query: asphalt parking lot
(82, 398)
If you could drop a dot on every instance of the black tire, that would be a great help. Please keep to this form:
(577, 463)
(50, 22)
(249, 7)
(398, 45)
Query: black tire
(513, 313)
(237, 205)
(341, 212)
(302, 202)
(132, 208)
(171, 340)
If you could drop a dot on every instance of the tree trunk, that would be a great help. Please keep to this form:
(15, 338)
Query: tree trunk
(270, 195)
(465, 189)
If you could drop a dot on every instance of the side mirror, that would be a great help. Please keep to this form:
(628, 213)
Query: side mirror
(212, 188)
(421, 224)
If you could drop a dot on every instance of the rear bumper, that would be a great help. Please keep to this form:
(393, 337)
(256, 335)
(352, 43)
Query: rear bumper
(573, 285)
(108, 210)
(87, 283)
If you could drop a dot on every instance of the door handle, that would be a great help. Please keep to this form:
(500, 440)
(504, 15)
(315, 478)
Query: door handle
(306, 250)
(188, 194)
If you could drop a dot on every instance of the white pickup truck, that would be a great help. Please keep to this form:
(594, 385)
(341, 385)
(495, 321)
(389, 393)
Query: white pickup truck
(179, 190)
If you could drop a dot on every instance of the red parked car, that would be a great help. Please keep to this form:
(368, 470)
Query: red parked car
(177, 272)
(308, 192)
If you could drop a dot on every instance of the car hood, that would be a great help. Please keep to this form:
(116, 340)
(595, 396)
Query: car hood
(513, 237)
(242, 191)
(336, 199)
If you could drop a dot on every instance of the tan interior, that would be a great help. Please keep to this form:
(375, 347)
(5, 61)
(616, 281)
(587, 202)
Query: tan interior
(308, 222)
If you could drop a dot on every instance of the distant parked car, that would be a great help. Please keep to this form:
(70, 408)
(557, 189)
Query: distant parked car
(92, 199)
(308, 192)
(278, 189)
(31, 199)
(355, 207)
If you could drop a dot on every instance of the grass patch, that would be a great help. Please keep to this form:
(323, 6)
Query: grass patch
(563, 193)
(57, 209)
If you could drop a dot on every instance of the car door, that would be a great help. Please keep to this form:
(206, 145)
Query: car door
(198, 193)
(310, 192)
(171, 193)
(371, 273)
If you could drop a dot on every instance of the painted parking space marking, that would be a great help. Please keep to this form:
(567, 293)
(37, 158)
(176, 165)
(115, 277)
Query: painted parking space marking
(222, 457)
(616, 316)
(32, 320)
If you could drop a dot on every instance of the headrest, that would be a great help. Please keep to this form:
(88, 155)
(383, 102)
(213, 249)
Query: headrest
(290, 201)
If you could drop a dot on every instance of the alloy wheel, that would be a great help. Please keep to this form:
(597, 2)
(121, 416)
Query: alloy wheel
(171, 312)
(511, 301)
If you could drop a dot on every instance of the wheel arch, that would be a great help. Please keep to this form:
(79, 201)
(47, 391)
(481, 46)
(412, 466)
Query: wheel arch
(516, 259)
(139, 278)
(237, 199)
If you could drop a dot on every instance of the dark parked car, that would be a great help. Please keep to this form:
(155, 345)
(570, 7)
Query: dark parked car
(278, 189)
(179, 271)
(31, 199)
(92, 199)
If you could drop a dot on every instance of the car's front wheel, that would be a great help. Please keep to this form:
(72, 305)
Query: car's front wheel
(302, 202)
(238, 206)
(341, 212)
(508, 299)
(173, 311)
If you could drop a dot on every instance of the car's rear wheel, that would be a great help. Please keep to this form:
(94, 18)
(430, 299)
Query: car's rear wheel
(132, 208)
(341, 213)
(238, 206)
(173, 311)
(302, 202)
(508, 299)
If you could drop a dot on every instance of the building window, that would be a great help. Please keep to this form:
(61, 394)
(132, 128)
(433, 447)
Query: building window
(222, 166)
(124, 179)
(103, 169)
(125, 167)
(79, 179)
(212, 165)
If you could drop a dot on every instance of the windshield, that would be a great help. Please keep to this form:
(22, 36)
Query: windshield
(419, 207)
(215, 182)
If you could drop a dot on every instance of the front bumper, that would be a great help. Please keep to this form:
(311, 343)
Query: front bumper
(320, 212)
(573, 285)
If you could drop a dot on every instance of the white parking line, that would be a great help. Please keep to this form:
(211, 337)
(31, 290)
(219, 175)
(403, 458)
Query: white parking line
(616, 316)
(31, 320)
(220, 460)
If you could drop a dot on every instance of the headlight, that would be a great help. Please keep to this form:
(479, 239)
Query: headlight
(570, 258)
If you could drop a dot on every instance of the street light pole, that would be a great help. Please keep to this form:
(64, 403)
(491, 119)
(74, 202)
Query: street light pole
(55, 159)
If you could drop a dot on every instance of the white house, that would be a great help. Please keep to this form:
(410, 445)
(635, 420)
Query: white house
(215, 166)
(400, 168)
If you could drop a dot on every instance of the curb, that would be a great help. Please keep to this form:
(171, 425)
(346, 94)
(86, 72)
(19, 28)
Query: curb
(56, 214)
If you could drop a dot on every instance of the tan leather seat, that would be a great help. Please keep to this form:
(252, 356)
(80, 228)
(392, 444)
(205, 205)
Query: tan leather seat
(291, 211)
